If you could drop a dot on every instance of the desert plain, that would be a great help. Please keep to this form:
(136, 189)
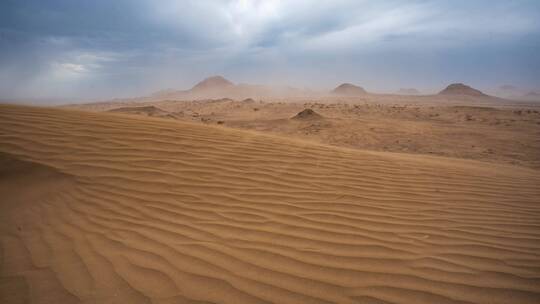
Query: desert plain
(224, 194)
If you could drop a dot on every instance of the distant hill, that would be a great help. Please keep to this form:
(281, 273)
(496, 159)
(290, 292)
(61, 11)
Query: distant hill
(349, 90)
(220, 87)
(461, 89)
(507, 91)
(211, 83)
(408, 91)
(532, 96)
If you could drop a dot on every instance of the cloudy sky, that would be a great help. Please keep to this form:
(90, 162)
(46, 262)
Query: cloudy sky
(105, 48)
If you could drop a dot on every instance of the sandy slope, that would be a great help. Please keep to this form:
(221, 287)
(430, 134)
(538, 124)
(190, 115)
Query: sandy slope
(109, 208)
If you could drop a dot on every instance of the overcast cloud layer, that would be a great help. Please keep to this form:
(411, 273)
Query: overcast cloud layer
(103, 48)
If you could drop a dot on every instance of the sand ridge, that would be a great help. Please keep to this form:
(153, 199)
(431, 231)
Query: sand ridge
(160, 211)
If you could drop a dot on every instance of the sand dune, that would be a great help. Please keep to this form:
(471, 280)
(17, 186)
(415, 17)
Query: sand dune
(144, 110)
(112, 208)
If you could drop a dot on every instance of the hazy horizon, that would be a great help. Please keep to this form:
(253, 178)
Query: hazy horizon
(100, 49)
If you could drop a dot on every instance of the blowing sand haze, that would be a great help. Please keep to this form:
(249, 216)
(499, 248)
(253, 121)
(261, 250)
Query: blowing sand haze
(334, 161)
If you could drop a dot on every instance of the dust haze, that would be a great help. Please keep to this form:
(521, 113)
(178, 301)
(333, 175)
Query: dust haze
(82, 51)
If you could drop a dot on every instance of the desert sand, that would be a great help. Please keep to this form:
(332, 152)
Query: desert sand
(459, 121)
(115, 208)
(466, 127)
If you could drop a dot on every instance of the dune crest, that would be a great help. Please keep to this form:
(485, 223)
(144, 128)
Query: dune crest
(208, 214)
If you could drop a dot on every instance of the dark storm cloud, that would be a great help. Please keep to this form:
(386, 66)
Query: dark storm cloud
(101, 49)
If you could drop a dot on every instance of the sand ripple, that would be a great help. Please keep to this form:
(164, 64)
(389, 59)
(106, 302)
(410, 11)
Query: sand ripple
(106, 208)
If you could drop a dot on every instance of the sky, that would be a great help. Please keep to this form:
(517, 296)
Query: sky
(99, 49)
